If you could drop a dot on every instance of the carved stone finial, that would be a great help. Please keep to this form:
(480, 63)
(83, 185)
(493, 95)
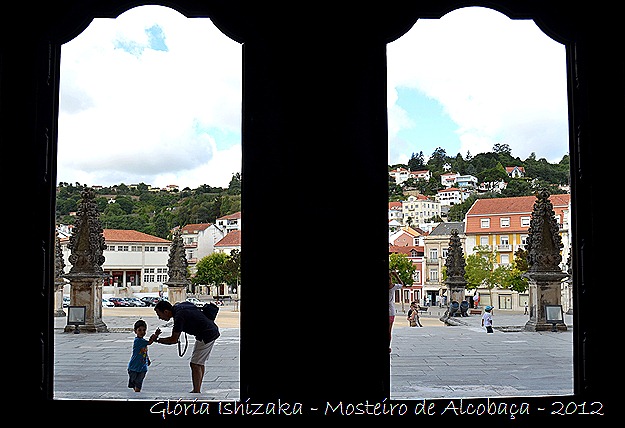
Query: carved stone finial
(455, 262)
(177, 263)
(544, 242)
(87, 242)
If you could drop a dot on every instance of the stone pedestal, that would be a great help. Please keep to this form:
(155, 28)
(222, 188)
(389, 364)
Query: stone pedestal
(456, 292)
(176, 291)
(87, 291)
(58, 300)
(544, 289)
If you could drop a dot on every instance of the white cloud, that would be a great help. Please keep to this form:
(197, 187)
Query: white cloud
(499, 80)
(139, 114)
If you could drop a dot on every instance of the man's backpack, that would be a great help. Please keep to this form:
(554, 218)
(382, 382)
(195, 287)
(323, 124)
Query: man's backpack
(210, 310)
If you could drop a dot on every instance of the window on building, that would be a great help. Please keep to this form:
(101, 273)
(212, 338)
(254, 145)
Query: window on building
(525, 221)
(504, 222)
(485, 223)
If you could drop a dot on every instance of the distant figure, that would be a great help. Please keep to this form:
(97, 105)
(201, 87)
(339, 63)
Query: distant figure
(139, 361)
(525, 312)
(392, 286)
(487, 319)
(413, 315)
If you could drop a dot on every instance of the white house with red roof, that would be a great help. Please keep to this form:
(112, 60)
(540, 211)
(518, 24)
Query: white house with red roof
(417, 209)
(452, 196)
(135, 261)
(515, 171)
(401, 174)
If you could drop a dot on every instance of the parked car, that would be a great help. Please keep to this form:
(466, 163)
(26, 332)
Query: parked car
(135, 301)
(118, 302)
(197, 302)
(106, 303)
(150, 300)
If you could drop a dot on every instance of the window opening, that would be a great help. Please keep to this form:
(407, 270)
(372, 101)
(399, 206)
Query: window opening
(479, 102)
(150, 117)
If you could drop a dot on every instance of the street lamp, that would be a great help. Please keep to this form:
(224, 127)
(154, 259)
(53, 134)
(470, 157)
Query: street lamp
(554, 316)
(76, 316)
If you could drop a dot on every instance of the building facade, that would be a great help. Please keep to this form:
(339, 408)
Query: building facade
(135, 262)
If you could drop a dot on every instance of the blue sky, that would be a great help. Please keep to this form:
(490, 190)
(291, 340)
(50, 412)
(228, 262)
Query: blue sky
(432, 126)
(155, 97)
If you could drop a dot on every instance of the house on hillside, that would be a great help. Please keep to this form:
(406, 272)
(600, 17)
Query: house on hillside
(199, 241)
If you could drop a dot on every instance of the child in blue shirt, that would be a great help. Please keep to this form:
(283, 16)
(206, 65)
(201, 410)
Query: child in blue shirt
(139, 361)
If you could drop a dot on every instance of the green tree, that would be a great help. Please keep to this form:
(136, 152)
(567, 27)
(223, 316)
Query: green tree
(211, 270)
(509, 277)
(233, 268)
(480, 268)
(404, 267)
(234, 188)
(416, 162)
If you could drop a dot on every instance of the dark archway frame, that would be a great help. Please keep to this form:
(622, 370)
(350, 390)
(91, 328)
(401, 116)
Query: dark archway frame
(296, 61)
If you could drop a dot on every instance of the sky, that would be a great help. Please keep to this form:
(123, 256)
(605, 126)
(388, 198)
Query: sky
(154, 97)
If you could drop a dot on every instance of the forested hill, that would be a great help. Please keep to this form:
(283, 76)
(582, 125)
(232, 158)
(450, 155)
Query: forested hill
(153, 212)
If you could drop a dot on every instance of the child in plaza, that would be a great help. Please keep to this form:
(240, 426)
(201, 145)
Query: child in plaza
(487, 319)
(139, 361)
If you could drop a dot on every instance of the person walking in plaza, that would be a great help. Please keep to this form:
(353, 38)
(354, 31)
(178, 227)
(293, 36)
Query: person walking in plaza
(139, 361)
(394, 283)
(413, 315)
(525, 312)
(487, 319)
(190, 319)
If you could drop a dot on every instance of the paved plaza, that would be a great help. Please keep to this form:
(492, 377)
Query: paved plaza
(431, 362)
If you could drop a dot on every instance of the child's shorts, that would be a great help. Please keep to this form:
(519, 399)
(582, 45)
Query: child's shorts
(135, 379)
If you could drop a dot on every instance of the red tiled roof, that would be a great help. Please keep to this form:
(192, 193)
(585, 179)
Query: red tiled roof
(231, 216)
(512, 208)
(514, 205)
(232, 239)
(195, 227)
(405, 249)
(119, 235)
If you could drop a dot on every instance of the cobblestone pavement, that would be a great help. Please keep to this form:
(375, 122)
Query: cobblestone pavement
(431, 362)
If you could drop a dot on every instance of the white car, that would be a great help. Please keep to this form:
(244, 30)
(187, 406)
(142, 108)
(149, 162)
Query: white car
(106, 303)
(195, 301)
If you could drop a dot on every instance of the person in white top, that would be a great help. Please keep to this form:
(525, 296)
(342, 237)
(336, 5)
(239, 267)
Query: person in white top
(487, 319)
(392, 286)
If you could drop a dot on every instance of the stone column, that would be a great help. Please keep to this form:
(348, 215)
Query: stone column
(87, 291)
(455, 282)
(58, 299)
(545, 289)
(176, 292)
(177, 269)
(543, 257)
(86, 276)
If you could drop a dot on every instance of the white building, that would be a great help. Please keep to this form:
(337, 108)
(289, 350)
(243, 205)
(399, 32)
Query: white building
(417, 209)
(135, 262)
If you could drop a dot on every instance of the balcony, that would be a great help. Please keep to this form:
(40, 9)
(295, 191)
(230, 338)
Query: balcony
(504, 247)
